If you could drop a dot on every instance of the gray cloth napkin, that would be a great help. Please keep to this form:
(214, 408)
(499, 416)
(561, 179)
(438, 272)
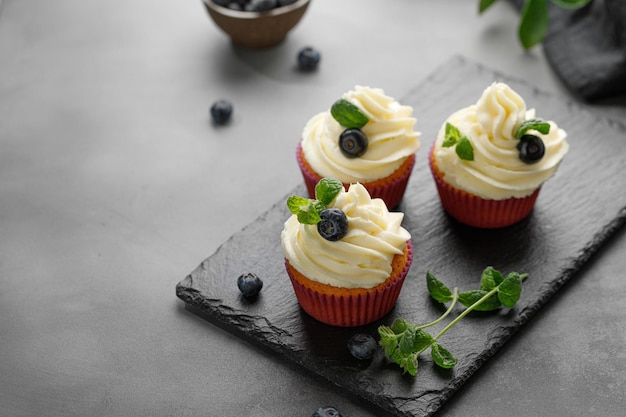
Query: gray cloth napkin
(587, 48)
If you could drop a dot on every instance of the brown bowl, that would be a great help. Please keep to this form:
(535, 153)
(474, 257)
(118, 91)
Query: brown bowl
(257, 29)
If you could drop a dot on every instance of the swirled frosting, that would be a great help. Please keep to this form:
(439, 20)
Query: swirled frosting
(497, 172)
(389, 131)
(362, 258)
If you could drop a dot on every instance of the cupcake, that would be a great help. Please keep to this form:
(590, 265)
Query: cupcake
(365, 137)
(346, 254)
(490, 159)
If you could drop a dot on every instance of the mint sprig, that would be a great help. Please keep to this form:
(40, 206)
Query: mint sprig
(463, 146)
(348, 115)
(534, 22)
(539, 125)
(308, 210)
(403, 342)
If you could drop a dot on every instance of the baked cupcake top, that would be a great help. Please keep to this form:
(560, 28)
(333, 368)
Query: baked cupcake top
(388, 128)
(497, 148)
(360, 258)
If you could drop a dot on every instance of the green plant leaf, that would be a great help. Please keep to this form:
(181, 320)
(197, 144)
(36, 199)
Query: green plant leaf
(510, 290)
(468, 298)
(421, 340)
(571, 4)
(534, 23)
(484, 5)
(490, 279)
(399, 325)
(452, 135)
(539, 125)
(437, 289)
(307, 210)
(327, 189)
(406, 340)
(348, 115)
(407, 363)
(442, 356)
(464, 149)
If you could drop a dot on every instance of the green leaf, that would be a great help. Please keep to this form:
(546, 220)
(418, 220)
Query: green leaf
(452, 135)
(388, 340)
(327, 189)
(399, 325)
(437, 289)
(490, 279)
(534, 23)
(442, 357)
(539, 125)
(464, 149)
(296, 203)
(571, 4)
(470, 298)
(421, 340)
(510, 290)
(348, 115)
(406, 340)
(408, 363)
(484, 5)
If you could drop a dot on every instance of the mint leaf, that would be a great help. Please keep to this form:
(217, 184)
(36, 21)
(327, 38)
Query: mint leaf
(421, 340)
(534, 23)
(571, 4)
(539, 125)
(510, 290)
(307, 210)
(400, 325)
(437, 289)
(469, 298)
(406, 363)
(348, 115)
(452, 135)
(490, 279)
(327, 189)
(406, 340)
(464, 149)
(442, 357)
(484, 5)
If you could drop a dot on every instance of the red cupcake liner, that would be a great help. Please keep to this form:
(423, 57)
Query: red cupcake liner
(350, 310)
(390, 189)
(478, 212)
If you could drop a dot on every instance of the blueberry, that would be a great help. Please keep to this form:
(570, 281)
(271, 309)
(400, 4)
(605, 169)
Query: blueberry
(326, 411)
(353, 143)
(334, 224)
(222, 3)
(249, 284)
(221, 111)
(308, 58)
(362, 346)
(285, 2)
(531, 149)
(263, 5)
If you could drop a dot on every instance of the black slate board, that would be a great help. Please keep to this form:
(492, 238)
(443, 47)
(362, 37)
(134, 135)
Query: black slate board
(576, 212)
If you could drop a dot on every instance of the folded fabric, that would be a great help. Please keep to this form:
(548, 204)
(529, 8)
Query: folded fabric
(586, 48)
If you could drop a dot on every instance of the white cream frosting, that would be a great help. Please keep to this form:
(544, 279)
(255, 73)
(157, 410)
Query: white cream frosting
(389, 131)
(497, 172)
(362, 258)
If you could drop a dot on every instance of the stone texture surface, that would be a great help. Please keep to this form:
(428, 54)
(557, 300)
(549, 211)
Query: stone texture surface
(576, 212)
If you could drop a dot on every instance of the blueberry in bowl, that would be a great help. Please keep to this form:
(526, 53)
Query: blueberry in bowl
(255, 24)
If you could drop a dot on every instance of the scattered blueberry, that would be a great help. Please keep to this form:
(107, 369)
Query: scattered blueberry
(249, 284)
(221, 111)
(362, 346)
(334, 224)
(253, 5)
(353, 143)
(326, 411)
(222, 3)
(531, 149)
(308, 58)
(286, 2)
